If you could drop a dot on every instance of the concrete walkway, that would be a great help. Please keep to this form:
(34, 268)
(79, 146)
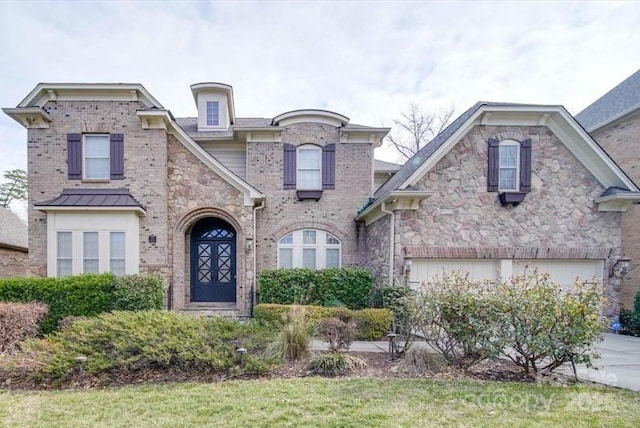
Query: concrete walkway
(618, 365)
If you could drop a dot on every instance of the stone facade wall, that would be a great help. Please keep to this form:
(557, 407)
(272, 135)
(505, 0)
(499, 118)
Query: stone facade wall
(13, 263)
(377, 250)
(558, 212)
(145, 171)
(196, 192)
(620, 139)
(334, 212)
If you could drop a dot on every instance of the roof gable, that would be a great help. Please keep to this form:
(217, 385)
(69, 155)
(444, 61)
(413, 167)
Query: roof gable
(618, 102)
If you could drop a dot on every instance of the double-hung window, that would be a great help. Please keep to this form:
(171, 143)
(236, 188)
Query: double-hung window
(309, 173)
(90, 252)
(309, 248)
(96, 157)
(117, 253)
(509, 166)
(64, 259)
(80, 251)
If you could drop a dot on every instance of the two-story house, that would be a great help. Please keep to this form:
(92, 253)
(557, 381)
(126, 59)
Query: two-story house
(118, 184)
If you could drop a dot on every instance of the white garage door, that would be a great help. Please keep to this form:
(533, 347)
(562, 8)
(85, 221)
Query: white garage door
(564, 272)
(426, 270)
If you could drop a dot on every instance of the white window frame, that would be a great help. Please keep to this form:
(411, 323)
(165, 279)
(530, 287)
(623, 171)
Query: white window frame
(104, 224)
(210, 119)
(309, 148)
(509, 143)
(298, 246)
(86, 158)
(65, 258)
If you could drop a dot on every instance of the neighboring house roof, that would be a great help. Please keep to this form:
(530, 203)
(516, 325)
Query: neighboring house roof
(13, 231)
(383, 166)
(618, 102)
(577, 140)
(92, 199)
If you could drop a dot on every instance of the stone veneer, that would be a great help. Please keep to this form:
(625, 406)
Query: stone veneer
(559, 212)
(145, 171)
(620, 139)
(196, 192)
(334, 212)
(13, 263)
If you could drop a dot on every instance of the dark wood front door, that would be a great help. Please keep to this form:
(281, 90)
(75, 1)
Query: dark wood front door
(213, 261)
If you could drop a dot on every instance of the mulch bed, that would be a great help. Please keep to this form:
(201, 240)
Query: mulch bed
(378, 365)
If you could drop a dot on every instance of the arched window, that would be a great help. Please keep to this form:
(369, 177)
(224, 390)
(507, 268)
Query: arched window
(309, 248)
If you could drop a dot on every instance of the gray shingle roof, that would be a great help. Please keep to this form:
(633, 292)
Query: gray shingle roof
(622, 99)
(92, 198)
(13, 231)
(382, 166)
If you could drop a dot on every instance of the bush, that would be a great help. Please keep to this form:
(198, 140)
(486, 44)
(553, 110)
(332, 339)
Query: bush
(630, 320)
(19, 321)
(137, 293)
(84, 295)
(349, 286)
(130, 341)
(397, 299)
(545, 326)
(335, 363)
(337, 333)
(422, 360)
(294, 338)
(372, 323)
(458, 318)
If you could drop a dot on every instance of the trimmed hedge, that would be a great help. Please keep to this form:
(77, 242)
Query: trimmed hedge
(349, 286)
(84, 295)
(372, 323)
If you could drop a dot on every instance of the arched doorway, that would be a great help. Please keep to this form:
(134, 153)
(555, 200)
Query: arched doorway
(213, 261)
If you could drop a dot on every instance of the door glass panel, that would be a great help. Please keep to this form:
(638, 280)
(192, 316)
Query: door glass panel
(224, 262)
(204, 262)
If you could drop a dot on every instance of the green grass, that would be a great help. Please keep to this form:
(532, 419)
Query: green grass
(325, 402)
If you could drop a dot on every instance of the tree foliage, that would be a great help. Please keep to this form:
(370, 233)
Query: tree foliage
(415, 128)
(14, 187)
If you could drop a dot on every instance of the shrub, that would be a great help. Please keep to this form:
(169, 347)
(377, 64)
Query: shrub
(19, 321)
(137, 293)
(335, 363)
(129, 341)
(372, 323)
(545, 326)
(422, 360)
(397, 299)
(630, 320)
(458, 318)
(337, 333)
(294, 338)
(349, 286)
(83, 295)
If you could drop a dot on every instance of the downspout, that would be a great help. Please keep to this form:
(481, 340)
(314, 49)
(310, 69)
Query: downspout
(255, 257)
(392, 239)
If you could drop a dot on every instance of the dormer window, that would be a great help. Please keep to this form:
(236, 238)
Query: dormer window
(213, 115)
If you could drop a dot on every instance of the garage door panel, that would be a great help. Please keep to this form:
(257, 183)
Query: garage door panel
(564, 272)
(427, 270)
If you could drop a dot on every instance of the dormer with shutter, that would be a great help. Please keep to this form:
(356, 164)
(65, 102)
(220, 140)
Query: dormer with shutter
(216, 111)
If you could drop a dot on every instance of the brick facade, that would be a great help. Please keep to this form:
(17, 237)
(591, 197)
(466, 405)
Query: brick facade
(620, 140)
(145, 162)
(336, 209)
(13, 263)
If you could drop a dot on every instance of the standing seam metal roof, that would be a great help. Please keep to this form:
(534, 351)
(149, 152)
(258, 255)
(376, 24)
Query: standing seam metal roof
(92, 198)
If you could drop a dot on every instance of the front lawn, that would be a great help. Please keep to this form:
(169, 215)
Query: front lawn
(325, 402)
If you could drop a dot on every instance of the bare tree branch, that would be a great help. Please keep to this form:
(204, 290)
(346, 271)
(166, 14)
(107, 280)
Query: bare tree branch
(415, 128)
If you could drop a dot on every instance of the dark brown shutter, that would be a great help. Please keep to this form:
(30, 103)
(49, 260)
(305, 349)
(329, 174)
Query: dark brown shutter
(117, 156)
(74, 156)
(494, 165)
(329, 166)
(525, 165)
(289, 166)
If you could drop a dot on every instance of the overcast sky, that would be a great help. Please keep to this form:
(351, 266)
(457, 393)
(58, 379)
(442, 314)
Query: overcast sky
(366, 60)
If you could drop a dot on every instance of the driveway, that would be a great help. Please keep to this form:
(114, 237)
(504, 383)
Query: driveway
(618, 365)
